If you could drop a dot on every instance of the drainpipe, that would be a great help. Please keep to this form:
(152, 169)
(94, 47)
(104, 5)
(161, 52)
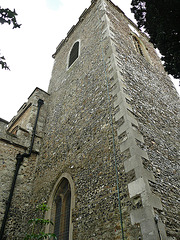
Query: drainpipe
(20, 157)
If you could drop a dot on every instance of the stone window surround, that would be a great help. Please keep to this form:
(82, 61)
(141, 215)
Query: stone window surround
(53, 194)
(78, 40)
(141, 45)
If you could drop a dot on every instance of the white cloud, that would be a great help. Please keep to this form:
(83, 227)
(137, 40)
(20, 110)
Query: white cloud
(54, 4)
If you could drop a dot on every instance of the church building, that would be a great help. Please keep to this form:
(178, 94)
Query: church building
(101, 146)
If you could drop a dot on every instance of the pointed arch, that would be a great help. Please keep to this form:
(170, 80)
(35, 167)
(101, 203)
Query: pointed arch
(137, 45)
(74, 53)
(140, 47)
(61, 203)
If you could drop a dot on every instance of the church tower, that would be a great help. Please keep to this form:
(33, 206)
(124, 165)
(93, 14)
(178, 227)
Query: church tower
(107, 165)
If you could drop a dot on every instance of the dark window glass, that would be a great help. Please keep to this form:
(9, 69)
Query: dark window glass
(58, 216)
(67, 218)
(74, 53)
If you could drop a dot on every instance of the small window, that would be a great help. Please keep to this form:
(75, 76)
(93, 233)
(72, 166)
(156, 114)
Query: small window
(74, 53)
(62, 203)
(141, 48)
(138, 45)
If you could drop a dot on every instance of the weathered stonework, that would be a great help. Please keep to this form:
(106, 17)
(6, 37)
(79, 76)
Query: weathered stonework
(129, 135)
(15, 138)
(110, 126)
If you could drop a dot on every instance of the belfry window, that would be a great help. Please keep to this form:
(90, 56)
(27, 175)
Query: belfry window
(74, 53)
(138, 46)
(62, 202)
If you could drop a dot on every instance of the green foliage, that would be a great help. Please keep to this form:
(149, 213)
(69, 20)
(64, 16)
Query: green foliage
(36, 222)
(9, 17)
(3, 63)
(39, 236)
(160, 19)
(42, 207)
(40, 220)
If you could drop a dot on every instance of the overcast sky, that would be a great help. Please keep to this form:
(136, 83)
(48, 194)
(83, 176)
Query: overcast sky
(29, 50)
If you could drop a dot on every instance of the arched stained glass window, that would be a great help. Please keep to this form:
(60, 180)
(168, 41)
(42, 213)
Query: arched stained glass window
(62, 203)
(74, 53)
